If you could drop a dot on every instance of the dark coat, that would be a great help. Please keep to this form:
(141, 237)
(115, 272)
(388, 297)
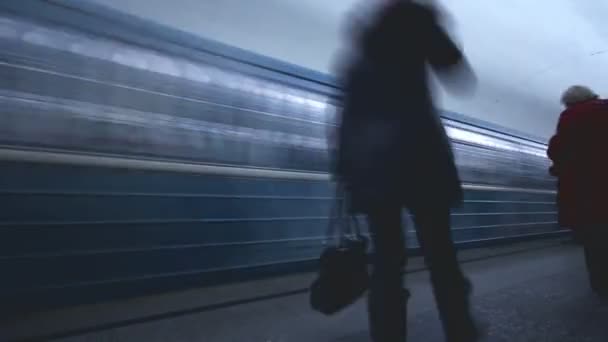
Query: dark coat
(391, 144)
(580, 161)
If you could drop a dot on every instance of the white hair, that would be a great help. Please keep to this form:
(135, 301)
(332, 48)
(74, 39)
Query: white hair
(576, 94)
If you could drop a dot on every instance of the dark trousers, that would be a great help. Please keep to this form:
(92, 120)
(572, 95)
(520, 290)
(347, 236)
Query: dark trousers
(595, 242)
(387, 297)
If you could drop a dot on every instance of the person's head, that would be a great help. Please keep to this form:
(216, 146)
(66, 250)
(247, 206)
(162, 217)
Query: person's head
(577, 94)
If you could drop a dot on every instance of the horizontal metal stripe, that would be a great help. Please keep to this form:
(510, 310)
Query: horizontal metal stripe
(477, 138)
(225, 244)
(165, 248)
(217, 71)
(322, 242)
(70, 193)
(148, 122)
(78, 159)
(557, 232)
(196, 220)
(460, 120)
(207, 195)
(464, 149)
(97, 160)
(489, 150)
(233, 268)
(157, 194)
(504, 202)
(479, 187)
(503, 225)
(157, 93)
(507, 213)
(158, 221)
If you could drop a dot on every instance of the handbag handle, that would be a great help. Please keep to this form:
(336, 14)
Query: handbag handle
(341, 216)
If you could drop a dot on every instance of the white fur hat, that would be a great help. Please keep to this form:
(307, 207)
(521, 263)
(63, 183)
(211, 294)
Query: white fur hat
(576, 94)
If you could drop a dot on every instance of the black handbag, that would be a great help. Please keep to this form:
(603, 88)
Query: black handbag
(343, 275)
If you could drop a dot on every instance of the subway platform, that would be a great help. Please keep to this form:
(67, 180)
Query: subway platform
(529, 291)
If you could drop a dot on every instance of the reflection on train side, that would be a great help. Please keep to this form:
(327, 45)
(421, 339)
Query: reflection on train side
(91, 94)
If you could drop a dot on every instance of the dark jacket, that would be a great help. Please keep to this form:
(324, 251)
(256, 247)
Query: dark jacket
(580, 161)
(391, 143)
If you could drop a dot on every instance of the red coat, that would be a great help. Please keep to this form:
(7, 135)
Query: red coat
(579, 151)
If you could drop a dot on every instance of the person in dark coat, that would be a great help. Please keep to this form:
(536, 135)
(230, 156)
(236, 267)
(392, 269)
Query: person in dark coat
(580, 162)
(393, 152)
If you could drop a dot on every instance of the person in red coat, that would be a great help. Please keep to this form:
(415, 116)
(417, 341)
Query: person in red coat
(580, 163)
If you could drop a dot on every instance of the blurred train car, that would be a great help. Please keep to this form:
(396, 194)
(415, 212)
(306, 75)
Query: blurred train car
(135, 159)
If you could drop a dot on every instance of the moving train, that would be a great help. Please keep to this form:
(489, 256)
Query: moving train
(137, 159)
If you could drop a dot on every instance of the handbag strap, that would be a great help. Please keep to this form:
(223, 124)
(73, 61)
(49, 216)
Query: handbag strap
(342, 223)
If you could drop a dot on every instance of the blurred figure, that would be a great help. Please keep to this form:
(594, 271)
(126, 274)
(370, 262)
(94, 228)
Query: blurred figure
(580, 162)
(393, 152)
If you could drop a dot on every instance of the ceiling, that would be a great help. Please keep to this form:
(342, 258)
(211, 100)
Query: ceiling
(524, 52)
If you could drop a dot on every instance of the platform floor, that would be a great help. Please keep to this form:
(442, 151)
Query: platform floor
(530, 292)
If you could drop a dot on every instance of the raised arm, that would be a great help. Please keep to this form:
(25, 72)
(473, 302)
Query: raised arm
(441, 50)
(446, 59)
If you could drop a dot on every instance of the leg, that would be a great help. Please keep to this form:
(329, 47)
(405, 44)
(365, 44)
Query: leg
(589, 253)
(595, 256)
(450, 286)
(601, 260)
(386, 296)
